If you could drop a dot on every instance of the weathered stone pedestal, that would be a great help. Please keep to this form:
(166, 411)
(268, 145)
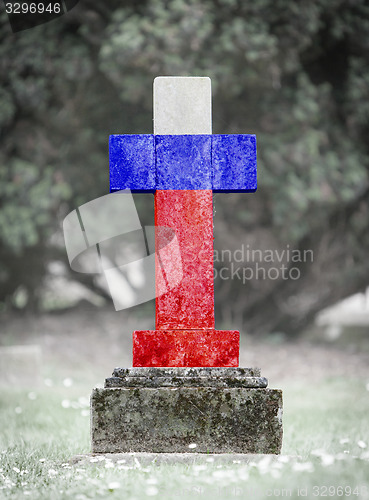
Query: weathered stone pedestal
(165, 410)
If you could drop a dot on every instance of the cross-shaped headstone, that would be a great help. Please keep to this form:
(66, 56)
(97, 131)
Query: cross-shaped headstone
(183, 164)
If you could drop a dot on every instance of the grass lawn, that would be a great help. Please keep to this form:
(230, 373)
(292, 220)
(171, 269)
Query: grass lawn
(325, 451)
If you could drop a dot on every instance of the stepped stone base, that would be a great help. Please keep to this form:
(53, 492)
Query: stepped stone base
(169, 410)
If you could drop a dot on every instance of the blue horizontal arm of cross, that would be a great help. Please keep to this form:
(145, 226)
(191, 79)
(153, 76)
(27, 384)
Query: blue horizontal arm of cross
(144, 163)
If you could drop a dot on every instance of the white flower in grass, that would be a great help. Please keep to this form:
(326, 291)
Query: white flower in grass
(121, 461)
(26, 492)
(344, 440)
(32, 396)
(327, 460)
(124, 467)
(318, 453)
(361, 444)
(243, 474)
(275, 473)
(199, 467)
(18, 410)
(114, 485)
(152, 491)
(303, 467)
(152, 480)
(210, 459)
(219, 474)
(367, 386)
(67, 382)
(264, 464)
(15, 469)
(65, 403)
(192, 446)
(52, 472)
(109, 465)
(83, 401)
(85, 413)
(94, 459)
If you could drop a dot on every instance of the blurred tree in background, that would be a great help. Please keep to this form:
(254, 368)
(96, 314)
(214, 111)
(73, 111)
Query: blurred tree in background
(295, 74)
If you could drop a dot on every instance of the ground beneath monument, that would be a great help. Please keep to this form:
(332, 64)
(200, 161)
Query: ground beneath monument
(86, 343)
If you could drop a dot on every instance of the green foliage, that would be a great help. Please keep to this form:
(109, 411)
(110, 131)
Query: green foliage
(31, 198)
(259, 57)
(294, 73)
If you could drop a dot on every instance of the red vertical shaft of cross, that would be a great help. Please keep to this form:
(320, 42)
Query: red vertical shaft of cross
(190, 214)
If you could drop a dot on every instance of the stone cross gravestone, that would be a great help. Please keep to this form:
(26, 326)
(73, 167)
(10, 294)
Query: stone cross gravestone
(185, 386)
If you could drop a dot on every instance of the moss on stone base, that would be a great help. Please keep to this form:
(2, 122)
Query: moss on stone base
(165, 419)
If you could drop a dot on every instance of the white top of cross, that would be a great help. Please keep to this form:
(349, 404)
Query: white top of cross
(182, 105)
